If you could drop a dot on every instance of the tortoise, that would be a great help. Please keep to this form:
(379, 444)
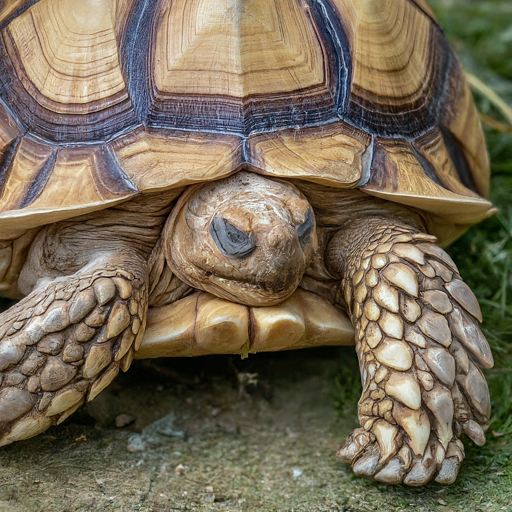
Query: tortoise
(241, 176)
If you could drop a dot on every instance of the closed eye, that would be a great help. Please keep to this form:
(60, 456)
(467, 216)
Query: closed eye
(304, 230)
(230, 240)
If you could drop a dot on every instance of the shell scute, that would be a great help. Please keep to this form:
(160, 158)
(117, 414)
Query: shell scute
(44, 183)
(161, 159)
(107, 99)
(62, 72)
(336, 155)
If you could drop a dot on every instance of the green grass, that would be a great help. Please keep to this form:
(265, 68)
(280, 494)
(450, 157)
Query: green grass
(481, 33)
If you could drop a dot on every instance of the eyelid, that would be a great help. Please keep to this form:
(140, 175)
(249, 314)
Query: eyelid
(230, 240)
(305, 229)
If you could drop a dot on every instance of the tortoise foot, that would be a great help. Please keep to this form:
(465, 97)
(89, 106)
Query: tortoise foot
(63, 344)
(420, 351)
(385, 454)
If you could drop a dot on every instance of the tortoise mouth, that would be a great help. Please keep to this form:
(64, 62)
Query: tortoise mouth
(202, 324)
(246, 238)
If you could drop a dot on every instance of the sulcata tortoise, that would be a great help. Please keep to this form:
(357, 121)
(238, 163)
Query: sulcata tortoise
(187, 177)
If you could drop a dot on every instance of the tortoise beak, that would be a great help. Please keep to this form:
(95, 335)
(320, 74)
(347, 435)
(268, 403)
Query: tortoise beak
(245, 238)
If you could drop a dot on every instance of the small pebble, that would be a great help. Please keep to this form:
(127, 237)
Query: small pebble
(136, 443)
(123, 419)
(180, 470)
(297, 472)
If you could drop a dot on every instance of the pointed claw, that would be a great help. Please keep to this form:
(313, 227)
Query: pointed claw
(29, 426)
(368, 463)
(422, 470)
(354, 445)
(448, 472)
(405, 456)
(392, 473)
(455, 449)
(386, 437)
(474, 431)
(416, 424)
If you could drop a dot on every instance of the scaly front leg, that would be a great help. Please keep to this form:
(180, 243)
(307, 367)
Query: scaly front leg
(67, 340)
(420, 352)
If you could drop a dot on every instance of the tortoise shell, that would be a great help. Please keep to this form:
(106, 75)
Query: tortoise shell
(101, 100)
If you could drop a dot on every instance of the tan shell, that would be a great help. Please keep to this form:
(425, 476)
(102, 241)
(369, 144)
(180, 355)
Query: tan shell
(101, 100)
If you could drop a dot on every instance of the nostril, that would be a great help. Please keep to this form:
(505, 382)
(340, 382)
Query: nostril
(230, 240)
(304, 230)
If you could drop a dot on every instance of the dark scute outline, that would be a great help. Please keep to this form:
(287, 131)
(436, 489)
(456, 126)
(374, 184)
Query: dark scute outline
(134, 55)
(6, 81)
(328, 22)
(427, 168)
(18, 12)
(425, 13)
(412, 119)
(381, 170)
(111, 175)
(6, 163)
(95, 126)
(223, 114)
(459, 159)
(40, 181)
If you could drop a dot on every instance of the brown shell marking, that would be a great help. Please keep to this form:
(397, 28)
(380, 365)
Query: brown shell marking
(158, 160)
(236, 50)
(399, 60)
(9, 7)
(44, 183)
(397, 174)
(460, 117)
(334, 154)
(422, 4)
(264, 64)
(27, 171)
(292, 89)
(64, 70)
(9, 130)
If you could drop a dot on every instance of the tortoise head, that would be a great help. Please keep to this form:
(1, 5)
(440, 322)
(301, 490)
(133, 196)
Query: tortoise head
(245, 238)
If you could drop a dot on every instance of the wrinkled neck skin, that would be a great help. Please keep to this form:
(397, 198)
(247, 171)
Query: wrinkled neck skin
(95, 239)
(253, 240)
(246, 238)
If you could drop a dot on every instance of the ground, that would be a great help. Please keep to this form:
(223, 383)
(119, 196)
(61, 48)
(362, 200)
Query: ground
(220, 433)
(211, 435)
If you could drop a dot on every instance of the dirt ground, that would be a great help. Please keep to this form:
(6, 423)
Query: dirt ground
(224, 434)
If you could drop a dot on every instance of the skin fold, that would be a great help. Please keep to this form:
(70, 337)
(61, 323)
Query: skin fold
(253, 241)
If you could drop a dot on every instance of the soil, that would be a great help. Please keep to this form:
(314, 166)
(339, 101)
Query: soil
(218, 433)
